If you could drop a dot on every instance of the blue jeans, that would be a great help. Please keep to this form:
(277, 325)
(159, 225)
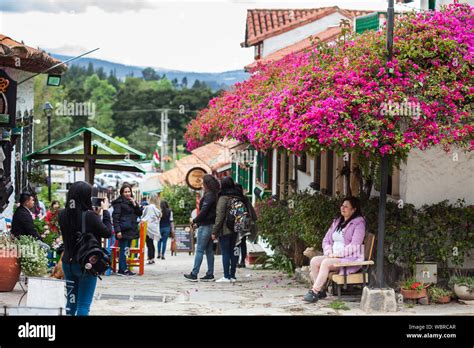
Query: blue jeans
(204, 245)
(124, 245)
(80, 289)
(165, 233)
(230, 254)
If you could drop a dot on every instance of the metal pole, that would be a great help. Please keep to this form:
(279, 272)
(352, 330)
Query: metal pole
(162, 163)
(174, 152)
(380, 281)
(49, 152)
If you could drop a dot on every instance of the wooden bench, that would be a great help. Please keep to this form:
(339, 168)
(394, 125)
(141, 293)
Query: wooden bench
(361, 277)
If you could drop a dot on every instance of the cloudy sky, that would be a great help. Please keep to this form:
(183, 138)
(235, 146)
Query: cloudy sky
(202, 36)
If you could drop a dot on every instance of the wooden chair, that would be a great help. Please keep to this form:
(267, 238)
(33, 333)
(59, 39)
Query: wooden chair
(136, 256)
(361, 277)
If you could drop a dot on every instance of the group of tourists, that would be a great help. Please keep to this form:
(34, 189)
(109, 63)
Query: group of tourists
(216, 207)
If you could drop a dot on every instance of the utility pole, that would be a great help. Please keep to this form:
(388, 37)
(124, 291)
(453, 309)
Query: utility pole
(164, 137)
(174, 152)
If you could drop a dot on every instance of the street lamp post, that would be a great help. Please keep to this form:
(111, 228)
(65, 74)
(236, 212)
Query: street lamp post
(48, 109)
(160, 144)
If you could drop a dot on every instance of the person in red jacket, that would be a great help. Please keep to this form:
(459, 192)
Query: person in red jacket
(52, 217)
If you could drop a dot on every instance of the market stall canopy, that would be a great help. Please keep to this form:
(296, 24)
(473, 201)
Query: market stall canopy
(151, 184)
(30, 59)
(90, 159)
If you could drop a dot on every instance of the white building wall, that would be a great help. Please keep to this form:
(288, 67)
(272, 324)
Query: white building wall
(304, 180)
(288, 38)
(433, 175)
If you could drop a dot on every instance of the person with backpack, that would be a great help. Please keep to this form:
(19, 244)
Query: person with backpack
(205, 220)
(152, 215)
(166, 228)
(79, 218)
(125, 217)
(253, 227)
(229, 229)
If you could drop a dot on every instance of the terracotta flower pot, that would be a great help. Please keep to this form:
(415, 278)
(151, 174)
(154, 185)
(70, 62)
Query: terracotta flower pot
(10, 271)
(413, 294)
(462, 292)
(444, 299)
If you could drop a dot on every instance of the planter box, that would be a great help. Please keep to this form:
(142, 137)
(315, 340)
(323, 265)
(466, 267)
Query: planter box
(444, 300)
(46, 293)
(413, 294)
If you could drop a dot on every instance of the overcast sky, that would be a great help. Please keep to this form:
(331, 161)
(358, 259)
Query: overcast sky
(184, 35)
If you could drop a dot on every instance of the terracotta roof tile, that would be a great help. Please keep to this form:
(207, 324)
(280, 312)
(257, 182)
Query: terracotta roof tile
(31, 59)
(265, 23)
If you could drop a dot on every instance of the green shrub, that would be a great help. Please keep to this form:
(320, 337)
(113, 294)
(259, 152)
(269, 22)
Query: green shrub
(181, 200)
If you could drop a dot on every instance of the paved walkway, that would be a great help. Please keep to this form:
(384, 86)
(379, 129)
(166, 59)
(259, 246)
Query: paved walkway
(164, 291)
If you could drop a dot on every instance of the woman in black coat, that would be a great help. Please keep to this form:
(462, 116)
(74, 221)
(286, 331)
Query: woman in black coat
(97, 222)
(125, 216)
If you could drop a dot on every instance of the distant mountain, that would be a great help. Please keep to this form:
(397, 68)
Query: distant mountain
(214, 80)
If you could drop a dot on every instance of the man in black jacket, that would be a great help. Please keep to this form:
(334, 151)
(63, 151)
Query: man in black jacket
(22, 222)
(205, 220)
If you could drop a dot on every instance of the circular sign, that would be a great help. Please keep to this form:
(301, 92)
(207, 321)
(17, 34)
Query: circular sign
(194, 178)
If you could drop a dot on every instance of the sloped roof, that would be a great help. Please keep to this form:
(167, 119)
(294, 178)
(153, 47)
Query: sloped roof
(327, 35)
(265, 23)
(31, 59)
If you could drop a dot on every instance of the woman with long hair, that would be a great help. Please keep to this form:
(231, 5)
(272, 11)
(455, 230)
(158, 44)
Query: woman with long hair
(152, 215)
(166, 228)
(205, 220)
(343, 243)
(125, 216)
(227, 237)
(98, 222)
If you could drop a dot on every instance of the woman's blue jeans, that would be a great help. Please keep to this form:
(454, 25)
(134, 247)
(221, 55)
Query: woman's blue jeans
(80, 289)
(165, 233)
(230, 254)
(204, 246)
(124, 245)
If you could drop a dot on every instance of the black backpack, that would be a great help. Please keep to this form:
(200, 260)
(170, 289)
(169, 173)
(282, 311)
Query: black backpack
(89, 253)
(238, 216)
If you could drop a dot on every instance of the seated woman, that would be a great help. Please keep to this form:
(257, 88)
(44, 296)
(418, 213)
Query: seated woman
(343, 243)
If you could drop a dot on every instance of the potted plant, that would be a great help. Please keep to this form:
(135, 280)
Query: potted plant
(439, 295)
(9, 262)
(33, 258)
(413, 290)
(463, 287)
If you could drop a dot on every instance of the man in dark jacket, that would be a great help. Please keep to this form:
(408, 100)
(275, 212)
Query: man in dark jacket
(205, 221)
(22, 222)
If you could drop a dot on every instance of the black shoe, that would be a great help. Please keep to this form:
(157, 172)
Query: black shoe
(121, 273)
(162, 257)
(322, 294)
(191, 277)
(241, 265)
(207, 278)
(311, 297)
(159, 257)
(129, 273)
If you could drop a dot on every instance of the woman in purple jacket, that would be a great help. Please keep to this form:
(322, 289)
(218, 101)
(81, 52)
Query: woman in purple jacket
(343, 243)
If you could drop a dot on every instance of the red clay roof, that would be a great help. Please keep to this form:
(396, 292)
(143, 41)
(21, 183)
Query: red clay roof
(30, 59)
(265, 23)
(328, 35)
(211, 157)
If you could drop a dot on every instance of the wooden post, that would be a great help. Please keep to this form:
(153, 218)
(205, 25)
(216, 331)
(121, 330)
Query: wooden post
(324, 171)
(88, 163)
(94, 152)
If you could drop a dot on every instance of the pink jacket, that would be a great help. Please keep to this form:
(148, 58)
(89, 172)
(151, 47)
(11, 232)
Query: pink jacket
(354, 235)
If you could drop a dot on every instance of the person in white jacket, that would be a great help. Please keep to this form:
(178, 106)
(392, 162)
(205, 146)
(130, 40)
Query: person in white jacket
(152, 215)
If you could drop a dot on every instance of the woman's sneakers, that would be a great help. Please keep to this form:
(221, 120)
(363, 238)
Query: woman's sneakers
(223, 280)
(126, 273)
(150, 262)
(207, 278)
